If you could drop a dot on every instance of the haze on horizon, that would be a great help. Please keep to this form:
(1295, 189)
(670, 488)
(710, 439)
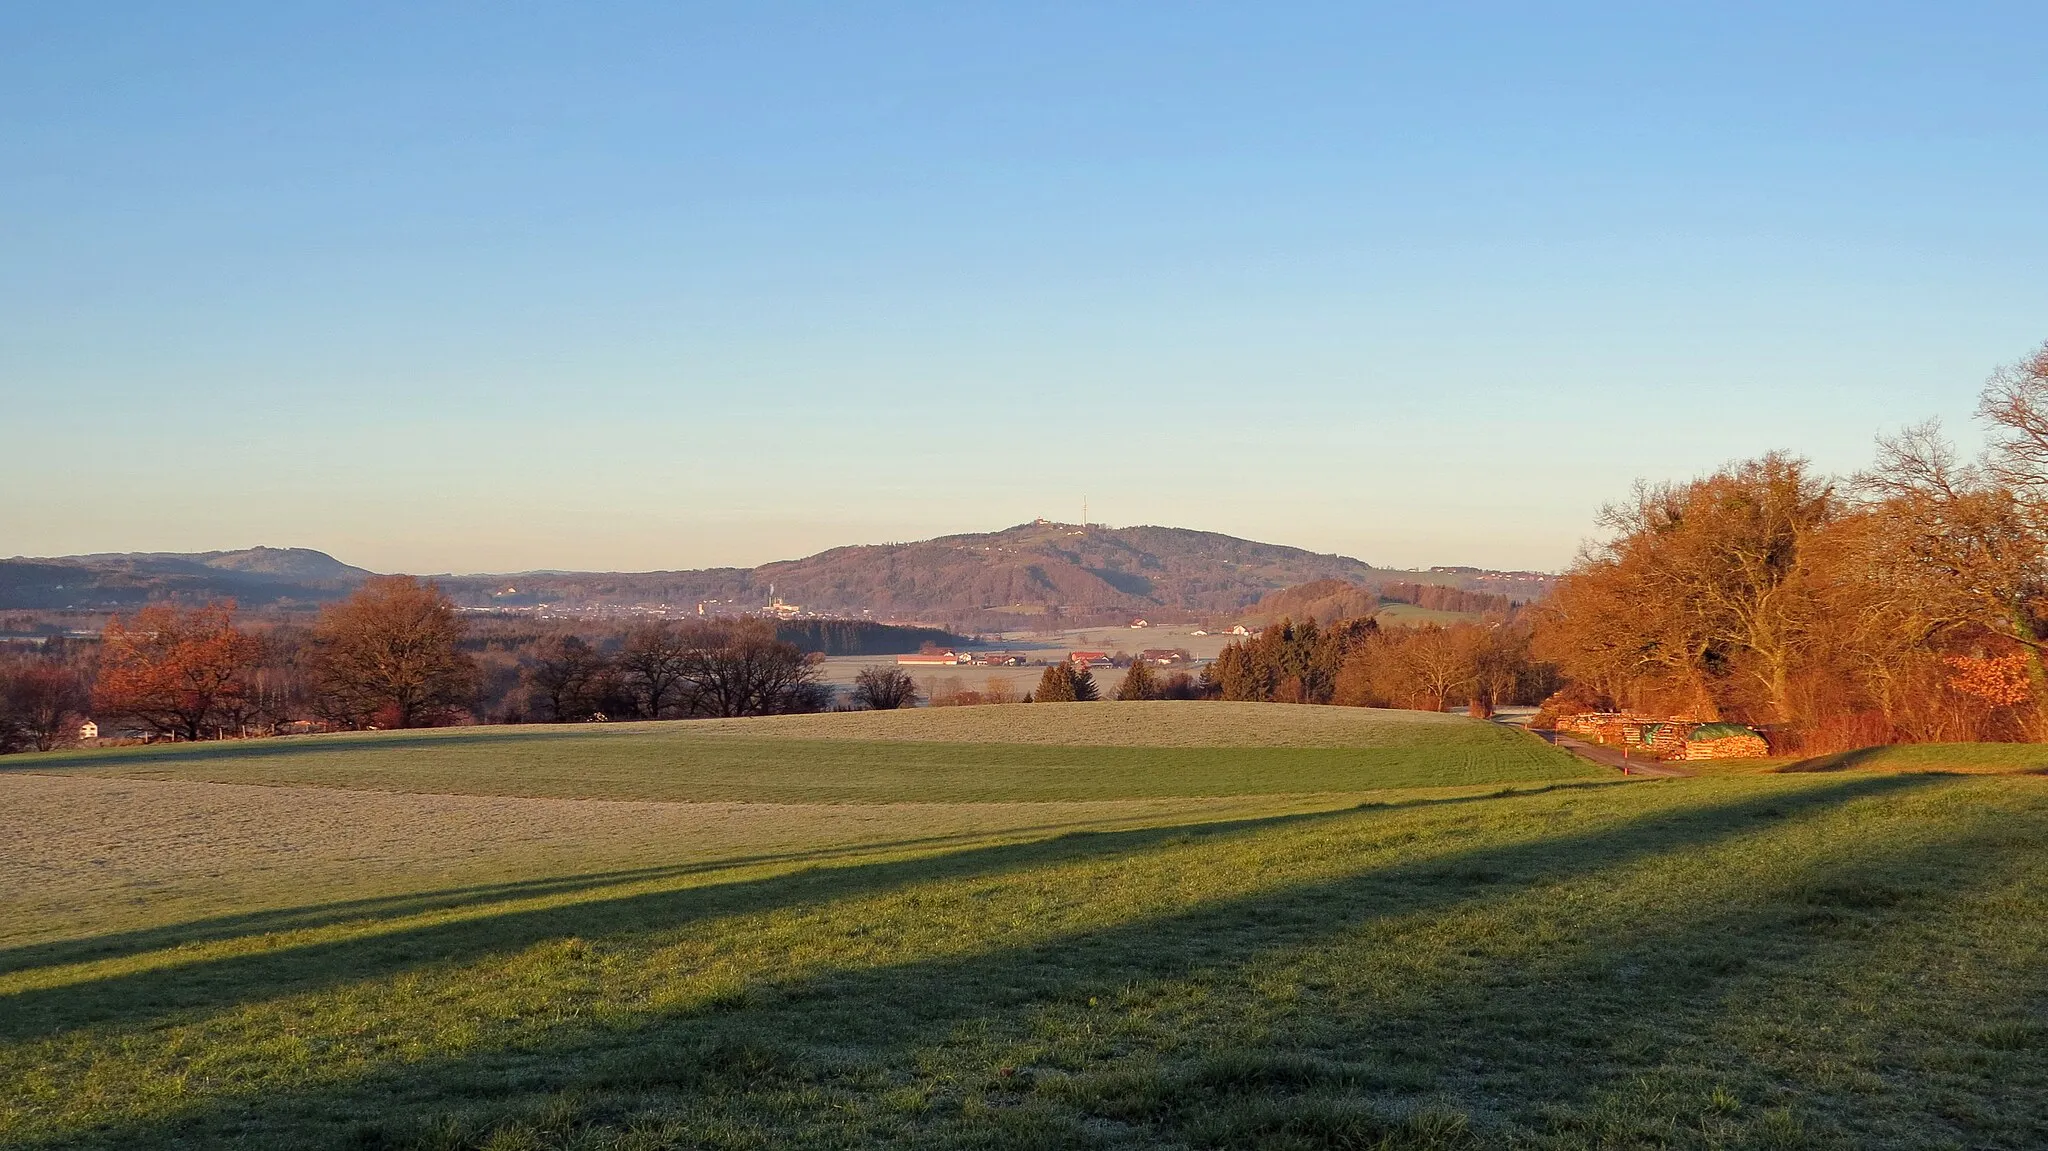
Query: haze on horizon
(653, 287)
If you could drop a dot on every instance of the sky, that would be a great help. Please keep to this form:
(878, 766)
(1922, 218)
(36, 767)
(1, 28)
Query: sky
(456, 288)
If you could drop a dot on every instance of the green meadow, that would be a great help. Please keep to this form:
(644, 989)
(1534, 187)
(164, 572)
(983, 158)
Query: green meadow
(943, 755)
(1166, 925)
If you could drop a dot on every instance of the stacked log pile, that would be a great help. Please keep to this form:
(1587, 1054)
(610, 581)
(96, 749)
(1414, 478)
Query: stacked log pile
(1641, 734)
(1725, 741)
(1664, 737)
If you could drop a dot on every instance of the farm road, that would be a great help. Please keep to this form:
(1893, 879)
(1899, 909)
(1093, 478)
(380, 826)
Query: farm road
(1608, 757)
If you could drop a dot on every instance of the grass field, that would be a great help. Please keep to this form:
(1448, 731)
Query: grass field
(1840, 958)
(1411, 615)
(946, 755)
(1947, 757)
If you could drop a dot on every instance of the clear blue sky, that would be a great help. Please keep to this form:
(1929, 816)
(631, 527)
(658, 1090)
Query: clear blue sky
(495, 287)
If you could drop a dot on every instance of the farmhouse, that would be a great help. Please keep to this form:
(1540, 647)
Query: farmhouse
(1000, 659)
(945, 658)
(1163, 656)
(1088, 659)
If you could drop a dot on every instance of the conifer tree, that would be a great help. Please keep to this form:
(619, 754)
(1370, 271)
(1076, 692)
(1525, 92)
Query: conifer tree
(1085, 690)
(1139, 682)
(1057, 684)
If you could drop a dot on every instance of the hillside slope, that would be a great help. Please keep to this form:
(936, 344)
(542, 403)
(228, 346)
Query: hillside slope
(254, 576)
(1029, 568)
(1083, 575)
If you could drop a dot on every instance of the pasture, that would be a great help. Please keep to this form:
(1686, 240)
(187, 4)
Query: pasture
(892, 930)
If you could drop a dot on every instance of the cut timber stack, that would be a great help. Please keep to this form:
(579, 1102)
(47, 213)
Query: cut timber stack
(1725, 741)
(1644, 734)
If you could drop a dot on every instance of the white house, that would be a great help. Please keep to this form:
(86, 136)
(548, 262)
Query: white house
(88, 730)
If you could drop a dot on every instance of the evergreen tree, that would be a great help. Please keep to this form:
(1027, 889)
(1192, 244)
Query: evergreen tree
(1057, 684)
(1139, 682)
(1085, 690)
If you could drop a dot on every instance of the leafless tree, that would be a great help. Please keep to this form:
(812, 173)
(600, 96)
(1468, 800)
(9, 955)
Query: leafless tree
(41, 703)
(739, 668)
(390, 655)
(881, 688)
(563, 679)
(656, 663)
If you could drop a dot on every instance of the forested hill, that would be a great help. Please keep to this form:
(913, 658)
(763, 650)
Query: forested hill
(254, 576)
(982, 580)
(1014, 577)
(1083, 571)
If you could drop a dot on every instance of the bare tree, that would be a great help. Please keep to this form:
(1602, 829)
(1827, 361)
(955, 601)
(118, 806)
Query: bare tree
(41, 703)
(656, 663)
(1440, 662)
(563, 679)
(1959, 545)
(1700, 582)
(739, 668)
(389, 655)
(884, 688)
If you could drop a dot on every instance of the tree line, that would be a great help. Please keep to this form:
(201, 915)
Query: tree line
(1908, 602)
(396, 654)
(1359, 662)
(1441, 597)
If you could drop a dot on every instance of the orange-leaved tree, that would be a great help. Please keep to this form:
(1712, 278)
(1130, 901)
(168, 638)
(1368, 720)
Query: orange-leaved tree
(390, 655)
(178, 673)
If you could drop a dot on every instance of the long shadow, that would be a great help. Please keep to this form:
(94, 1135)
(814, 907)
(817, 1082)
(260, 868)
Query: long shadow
(1633, 1018)
(224, 980)
(135, 1000)
(116, 945)
(1833, 761)
(920, 1003)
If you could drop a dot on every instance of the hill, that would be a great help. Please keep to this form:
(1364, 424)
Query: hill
(254, 576)
(986, 580)
(1019, 577)
(1323, 601)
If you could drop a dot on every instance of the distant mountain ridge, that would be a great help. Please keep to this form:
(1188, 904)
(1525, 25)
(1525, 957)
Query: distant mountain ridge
(984, 580)
(254, 576)
(1016, 577)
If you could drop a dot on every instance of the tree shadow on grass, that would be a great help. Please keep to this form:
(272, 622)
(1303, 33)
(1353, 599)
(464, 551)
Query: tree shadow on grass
(216, 981)
(25, 957)
(1597, 1046)
(920, 1003)
(1833, 761)
(1800, 1014)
